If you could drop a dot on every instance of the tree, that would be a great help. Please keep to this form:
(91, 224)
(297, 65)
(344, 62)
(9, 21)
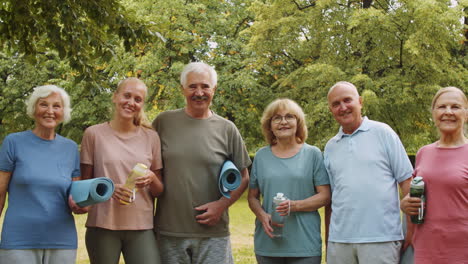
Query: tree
(80, 31)
(398, 53)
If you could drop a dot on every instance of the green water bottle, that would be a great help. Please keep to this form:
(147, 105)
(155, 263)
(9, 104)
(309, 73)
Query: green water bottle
(417, 190)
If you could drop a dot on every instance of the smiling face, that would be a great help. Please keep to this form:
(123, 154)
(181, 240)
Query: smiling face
(198, 91)
(48, 112)
(450, 113)
(129, 99)
(284, 125)
(345, 104)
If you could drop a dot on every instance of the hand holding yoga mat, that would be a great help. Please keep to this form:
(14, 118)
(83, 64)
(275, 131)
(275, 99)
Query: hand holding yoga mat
(229, 179)
(92, 191)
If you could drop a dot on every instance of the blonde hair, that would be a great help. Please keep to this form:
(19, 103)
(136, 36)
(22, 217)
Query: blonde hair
(141, 119)
(43, 92)
(287, 105)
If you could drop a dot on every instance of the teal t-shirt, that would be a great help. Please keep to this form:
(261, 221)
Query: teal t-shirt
(296, 177)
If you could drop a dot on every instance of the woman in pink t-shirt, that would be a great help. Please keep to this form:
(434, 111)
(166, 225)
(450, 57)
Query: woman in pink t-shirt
(123, 224)
(443, 237)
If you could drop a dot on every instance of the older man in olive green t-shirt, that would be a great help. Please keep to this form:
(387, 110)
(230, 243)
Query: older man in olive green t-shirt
(192, 217)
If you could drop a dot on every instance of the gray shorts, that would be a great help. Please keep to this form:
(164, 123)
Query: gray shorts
(288, 260)
(38, 256)
(183, 250)
(354, 253)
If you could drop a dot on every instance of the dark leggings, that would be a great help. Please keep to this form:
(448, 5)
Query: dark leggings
(137, 246)
(288, 260)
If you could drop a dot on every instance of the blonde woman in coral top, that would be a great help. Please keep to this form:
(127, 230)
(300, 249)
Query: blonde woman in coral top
(112, 149)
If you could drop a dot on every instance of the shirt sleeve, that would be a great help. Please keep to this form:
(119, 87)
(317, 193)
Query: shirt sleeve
(320, 173)
(87, 147)
(76, 170)
(399, 162)
(156, 163)
(326, 163)
(240, 156)
(253, 181)
(7, 155)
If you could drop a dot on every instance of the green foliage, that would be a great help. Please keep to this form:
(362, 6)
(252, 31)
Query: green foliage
(80, 31)
(398, 53)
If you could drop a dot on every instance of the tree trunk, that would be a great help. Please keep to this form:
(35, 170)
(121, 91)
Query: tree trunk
(366, 3)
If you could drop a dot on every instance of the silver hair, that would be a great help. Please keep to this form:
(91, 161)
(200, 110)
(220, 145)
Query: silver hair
(198, 67)
(43, 92)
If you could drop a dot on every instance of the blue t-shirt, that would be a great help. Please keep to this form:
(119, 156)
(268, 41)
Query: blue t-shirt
(364, 169)
(296, 177)
(38, 215)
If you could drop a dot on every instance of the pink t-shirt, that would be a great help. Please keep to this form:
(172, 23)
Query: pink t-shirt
(114, 156)
(443, 237)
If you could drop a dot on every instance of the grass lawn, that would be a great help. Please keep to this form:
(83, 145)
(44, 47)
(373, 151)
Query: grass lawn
(242, 228)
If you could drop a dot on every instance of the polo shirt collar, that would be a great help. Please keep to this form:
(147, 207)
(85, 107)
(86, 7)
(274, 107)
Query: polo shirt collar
(365, 126)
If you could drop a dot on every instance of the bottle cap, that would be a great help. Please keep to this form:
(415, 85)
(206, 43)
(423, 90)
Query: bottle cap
(417, 181)
(140, 168)
(280, 197)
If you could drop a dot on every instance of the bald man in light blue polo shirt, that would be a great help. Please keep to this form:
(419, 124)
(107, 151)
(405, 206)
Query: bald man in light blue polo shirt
(366, 162)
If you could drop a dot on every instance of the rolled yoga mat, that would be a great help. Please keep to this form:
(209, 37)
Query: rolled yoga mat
(229, 178)
(92, 191)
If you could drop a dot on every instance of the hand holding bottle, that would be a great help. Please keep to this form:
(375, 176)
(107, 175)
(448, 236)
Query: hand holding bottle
(284, 208)
(147, 179)
(278, 214)
(123, 194)
(127, 192)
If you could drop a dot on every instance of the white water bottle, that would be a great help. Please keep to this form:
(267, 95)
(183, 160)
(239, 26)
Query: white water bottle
(277, 221)
(137, 171)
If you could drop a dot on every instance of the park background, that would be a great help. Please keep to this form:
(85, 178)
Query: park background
(397, 52)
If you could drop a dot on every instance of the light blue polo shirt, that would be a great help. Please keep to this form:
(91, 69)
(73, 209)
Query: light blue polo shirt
(365, 168)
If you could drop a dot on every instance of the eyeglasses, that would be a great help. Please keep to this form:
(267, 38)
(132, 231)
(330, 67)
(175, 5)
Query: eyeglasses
(277, 118)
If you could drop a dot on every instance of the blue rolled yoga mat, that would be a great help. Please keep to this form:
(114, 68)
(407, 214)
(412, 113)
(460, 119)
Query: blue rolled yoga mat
(92, 191)
(229, 179)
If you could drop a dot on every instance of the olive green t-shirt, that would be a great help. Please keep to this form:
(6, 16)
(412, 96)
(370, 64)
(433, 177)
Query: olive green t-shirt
(193, 152)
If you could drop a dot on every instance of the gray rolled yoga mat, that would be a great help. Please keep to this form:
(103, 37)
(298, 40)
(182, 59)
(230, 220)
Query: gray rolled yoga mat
(229, 179)
(92, 191)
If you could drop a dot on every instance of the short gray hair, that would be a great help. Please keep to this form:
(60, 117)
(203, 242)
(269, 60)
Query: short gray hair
(198, 67)
(43, 92)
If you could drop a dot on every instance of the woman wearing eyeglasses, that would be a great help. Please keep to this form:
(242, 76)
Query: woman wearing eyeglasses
(290, 166)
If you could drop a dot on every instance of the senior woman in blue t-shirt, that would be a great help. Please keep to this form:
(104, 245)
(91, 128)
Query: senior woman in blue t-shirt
(290, 166)
(36, 169)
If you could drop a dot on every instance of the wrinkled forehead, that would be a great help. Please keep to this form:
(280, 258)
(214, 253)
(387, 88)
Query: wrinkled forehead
(199, 77)
(452, 94)
(52, 97)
